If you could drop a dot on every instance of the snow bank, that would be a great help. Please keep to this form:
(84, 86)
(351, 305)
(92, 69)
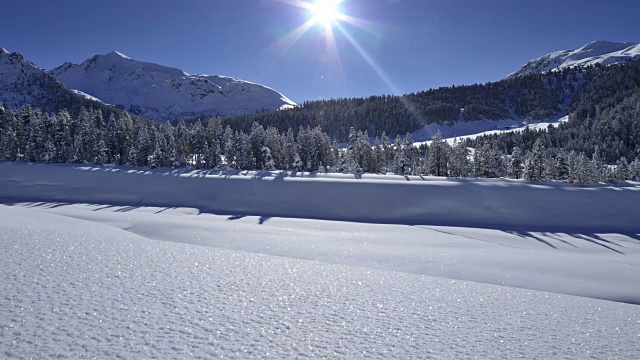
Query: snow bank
(484, 203)
(597, 265)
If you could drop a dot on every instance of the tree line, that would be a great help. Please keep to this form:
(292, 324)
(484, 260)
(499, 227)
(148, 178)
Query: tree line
(31, 135)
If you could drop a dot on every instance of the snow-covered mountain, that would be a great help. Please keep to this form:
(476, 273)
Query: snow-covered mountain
(24, 83)
(164, 93)
(596, 52)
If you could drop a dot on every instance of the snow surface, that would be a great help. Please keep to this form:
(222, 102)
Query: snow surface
(164, 93)
(86, 96)
(79, 289)
(473, 129)
(116, 262)
(561, 238)
(596, 52)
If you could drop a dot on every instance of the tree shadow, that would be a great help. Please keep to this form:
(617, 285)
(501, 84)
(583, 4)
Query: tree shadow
(529, 235)
(591, 238)
(263, 219)
(236, 217)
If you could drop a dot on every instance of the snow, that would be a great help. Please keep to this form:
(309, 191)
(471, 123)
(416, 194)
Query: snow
(547, 236)
(596, 52)
(411, 200)
(137, 263)
(14, 70)
(164, 93)
(86, 96)
(471, 130)
(118, 54)
(76, 289)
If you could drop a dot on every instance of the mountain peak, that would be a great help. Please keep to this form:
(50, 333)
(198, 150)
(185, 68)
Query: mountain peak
(3, 51)
(595, 52)
(165, 93)
(603, 47)
(117, 54)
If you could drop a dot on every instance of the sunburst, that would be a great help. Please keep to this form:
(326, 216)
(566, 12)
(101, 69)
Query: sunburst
(330, 15)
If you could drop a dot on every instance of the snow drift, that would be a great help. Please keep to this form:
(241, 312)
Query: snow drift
(484, 203)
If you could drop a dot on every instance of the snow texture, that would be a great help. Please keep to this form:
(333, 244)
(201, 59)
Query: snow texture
(552, 237)
(163, 93)
(596, 52)
(78, 289)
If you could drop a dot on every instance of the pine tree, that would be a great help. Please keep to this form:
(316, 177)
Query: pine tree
(598, 167)
(536, 161)
(297, 162)
(438, 156)
(515, 165)
(9, 144)
(269, 165)
(400, 161)
(459, 162)
(622, 169)
(562, 165)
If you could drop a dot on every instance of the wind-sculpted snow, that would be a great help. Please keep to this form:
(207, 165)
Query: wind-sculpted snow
(76, 289)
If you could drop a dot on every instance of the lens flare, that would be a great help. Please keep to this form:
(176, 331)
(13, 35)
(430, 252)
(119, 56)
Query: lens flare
(329, 14)
(324, 12)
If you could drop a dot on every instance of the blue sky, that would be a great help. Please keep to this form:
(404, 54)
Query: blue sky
(411, 45)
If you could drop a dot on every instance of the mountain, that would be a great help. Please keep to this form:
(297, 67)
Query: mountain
(23, 83)
(596, 52)
(163, 93)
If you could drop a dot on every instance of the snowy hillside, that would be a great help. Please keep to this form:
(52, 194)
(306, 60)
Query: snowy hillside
(163, 93)
(471, 130)
(23, 83)
(596, 52)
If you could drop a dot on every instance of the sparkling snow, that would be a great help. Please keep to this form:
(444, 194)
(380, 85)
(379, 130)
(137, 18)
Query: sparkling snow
(76, 289)
(135, 263)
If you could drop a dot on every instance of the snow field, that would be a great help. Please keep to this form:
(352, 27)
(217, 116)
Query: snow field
(600, 266)
(75, 289)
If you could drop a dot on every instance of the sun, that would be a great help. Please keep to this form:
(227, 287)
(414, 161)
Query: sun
(325, 12)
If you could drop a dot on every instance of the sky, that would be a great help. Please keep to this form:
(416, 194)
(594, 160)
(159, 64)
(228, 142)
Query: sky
(377, 47)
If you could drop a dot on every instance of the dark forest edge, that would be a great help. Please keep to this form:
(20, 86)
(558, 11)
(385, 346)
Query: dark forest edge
(31, 135)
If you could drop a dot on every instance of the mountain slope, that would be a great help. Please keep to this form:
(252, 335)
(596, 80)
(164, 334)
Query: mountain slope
(23, 83)
(596, 52)
(163, 93)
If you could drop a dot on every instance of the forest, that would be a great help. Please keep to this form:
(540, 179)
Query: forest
(599, 143)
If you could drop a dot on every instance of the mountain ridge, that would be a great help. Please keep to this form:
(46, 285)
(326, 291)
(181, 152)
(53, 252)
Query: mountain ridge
(595, 52)
(164, 93)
